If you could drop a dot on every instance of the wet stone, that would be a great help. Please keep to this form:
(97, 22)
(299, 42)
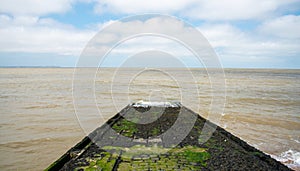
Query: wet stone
(144, 151)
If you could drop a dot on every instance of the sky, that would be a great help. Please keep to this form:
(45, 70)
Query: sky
(244, 34)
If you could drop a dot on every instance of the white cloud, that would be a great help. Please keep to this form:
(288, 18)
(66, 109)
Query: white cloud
(198, 9)
(137, 6)
(221, 35)
(155, 33)
(34, 35)
(232, 44)
(34, 7)
(249, 48)
(285, 27)
(234, 9)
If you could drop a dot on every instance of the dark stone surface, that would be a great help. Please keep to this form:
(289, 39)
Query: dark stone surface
(223, 151)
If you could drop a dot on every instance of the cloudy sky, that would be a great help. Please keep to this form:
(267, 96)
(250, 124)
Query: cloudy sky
(244, 33)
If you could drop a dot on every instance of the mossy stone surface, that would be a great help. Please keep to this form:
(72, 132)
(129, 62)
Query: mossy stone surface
(146, 151)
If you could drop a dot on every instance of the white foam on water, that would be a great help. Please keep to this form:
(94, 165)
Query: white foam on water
(146, 104)
(297, 141)
(291, 158)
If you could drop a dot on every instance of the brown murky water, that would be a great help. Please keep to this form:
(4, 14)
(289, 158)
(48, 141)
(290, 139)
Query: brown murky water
(38, 120)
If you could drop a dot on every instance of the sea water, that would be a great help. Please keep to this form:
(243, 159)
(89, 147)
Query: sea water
(39, 122)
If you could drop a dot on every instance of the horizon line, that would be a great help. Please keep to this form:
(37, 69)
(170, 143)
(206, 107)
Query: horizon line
(146, 67)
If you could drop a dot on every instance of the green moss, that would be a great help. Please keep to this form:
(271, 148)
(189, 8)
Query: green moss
(198, 157)
(256, 153)
(137, 150)
(166, 158)
(155, 132)
(100, 163)
(125, 127)
(91, 169)
(192, 154)
(211, 143)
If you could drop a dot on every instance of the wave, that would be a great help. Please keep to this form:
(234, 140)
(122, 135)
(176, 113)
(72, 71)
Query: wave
(43, 106)
(291, 158)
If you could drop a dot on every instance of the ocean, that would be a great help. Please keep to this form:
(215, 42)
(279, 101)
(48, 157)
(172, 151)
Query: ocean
(41, 119)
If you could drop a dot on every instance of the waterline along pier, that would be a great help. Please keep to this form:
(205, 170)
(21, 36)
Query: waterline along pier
(153, 136)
